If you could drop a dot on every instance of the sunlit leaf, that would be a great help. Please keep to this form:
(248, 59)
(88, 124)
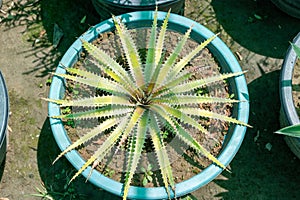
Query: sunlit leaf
(293, 131)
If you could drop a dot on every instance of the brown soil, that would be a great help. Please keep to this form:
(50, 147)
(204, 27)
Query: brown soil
(185, 163)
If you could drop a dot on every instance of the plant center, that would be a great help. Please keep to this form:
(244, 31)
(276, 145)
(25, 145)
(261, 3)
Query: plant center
(142, 98)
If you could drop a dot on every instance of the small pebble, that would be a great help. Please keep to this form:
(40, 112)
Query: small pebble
(268, 146)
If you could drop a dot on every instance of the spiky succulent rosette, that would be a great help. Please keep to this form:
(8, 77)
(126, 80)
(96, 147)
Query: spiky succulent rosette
(138, 99)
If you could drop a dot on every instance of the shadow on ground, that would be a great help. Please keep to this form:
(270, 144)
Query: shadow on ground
(73, 17)
(2, 166)
(39, 18)
(257, 25)
(259, 173)
(56, 177)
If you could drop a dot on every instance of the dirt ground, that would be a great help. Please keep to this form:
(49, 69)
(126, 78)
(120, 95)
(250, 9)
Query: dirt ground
(255, 30)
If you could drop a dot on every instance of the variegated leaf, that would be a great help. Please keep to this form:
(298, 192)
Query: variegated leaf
(210, 114)
(131, 53)
(94, 132)
(135, 151)
(93, 101)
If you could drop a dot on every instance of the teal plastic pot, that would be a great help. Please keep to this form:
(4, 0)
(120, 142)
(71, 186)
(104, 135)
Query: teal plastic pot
(4, 109)
(228, 63)
(288, 110)
(118, 7)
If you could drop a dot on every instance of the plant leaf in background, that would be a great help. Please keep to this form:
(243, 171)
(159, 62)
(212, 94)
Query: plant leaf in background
(82, 21)
(296, 49)
(293, 131)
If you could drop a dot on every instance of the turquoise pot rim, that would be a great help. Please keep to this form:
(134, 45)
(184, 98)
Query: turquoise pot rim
(225, 58)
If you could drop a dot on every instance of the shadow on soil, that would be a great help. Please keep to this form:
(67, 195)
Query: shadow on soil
(56, 177)
(72, 17)
(2, 166)
(39, 18)
(257, 25)
(259, 173)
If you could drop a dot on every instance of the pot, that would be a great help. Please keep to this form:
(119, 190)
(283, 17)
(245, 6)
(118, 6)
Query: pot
(117, 7)
(291, 7)
(289, 114)
(4, 107)
(228, 63)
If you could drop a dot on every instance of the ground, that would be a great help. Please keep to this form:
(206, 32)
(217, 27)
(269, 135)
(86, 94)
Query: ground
(255, 30)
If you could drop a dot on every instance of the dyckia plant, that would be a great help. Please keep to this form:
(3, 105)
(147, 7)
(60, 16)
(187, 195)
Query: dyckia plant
(142, 100)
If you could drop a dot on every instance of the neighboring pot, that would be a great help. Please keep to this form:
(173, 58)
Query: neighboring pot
(228, 63)
(4, 107)
(289, 113)
(291, 7)
(117, 7)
